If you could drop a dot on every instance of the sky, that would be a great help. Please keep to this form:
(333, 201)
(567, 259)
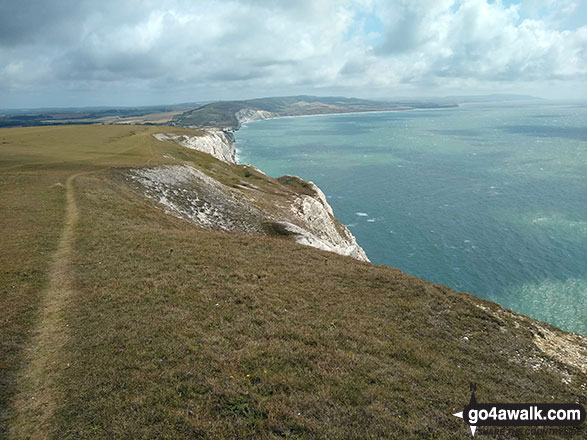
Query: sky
(62, 53)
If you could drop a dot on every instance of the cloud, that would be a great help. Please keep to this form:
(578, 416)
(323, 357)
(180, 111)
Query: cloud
(483, 41)
(186, 51)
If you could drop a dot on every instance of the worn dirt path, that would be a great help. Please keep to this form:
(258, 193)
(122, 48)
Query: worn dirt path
(38, 394)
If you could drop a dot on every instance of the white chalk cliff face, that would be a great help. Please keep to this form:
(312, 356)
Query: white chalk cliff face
(322, 231)
(189, 193)
(217, 143)
(248, 115)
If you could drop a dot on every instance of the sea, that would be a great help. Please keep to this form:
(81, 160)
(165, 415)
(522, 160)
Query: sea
(488, 198)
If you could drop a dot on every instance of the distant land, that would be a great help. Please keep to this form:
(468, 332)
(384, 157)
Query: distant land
(153, 115)
(230, 114)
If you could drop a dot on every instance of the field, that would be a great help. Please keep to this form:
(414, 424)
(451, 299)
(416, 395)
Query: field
(92, 115)
(121, 321)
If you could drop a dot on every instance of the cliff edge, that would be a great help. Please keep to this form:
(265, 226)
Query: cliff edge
(251, 202)
(217, 143)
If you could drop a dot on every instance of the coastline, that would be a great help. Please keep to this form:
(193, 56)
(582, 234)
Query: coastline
(519, 288)
(237, 160)
(348, 113)
(245, 124)
(301, 211)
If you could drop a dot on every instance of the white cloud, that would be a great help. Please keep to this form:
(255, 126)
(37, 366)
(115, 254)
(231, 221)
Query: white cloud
(184, 51)
(428, 41)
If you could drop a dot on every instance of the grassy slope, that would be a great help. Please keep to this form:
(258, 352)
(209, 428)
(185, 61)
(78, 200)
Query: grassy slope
(175, 332)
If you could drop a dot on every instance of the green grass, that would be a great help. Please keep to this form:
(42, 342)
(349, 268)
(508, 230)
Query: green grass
(172, 331)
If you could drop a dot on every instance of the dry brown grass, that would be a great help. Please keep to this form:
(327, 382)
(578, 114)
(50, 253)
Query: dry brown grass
(31, 219)
(39, 396)
(177, 332)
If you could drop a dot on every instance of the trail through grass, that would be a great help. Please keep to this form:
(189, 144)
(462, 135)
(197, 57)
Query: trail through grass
(39, 395)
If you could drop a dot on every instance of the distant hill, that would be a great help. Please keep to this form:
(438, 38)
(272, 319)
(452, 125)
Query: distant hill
(230, 114)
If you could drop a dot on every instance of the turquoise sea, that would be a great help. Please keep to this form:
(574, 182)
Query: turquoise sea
(488, 199)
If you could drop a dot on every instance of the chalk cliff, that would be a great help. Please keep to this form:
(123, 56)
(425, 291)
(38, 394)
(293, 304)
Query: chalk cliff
(217, 143)
(322, 229)
(248, 115)
(288, 206)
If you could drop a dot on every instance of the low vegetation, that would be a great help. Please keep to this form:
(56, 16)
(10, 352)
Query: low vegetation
(121, 321)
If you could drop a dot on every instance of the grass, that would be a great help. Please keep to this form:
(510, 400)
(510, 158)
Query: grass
(171, 331)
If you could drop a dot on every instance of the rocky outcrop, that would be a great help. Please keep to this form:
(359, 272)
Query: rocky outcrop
(217, 143)
(557, 347)
(342, 244)
(187, 192)
(323, 230)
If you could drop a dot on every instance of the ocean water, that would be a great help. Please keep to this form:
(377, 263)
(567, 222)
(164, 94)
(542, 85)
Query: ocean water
(488, 199)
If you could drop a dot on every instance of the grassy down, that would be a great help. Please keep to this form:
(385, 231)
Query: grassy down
(159, 329)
